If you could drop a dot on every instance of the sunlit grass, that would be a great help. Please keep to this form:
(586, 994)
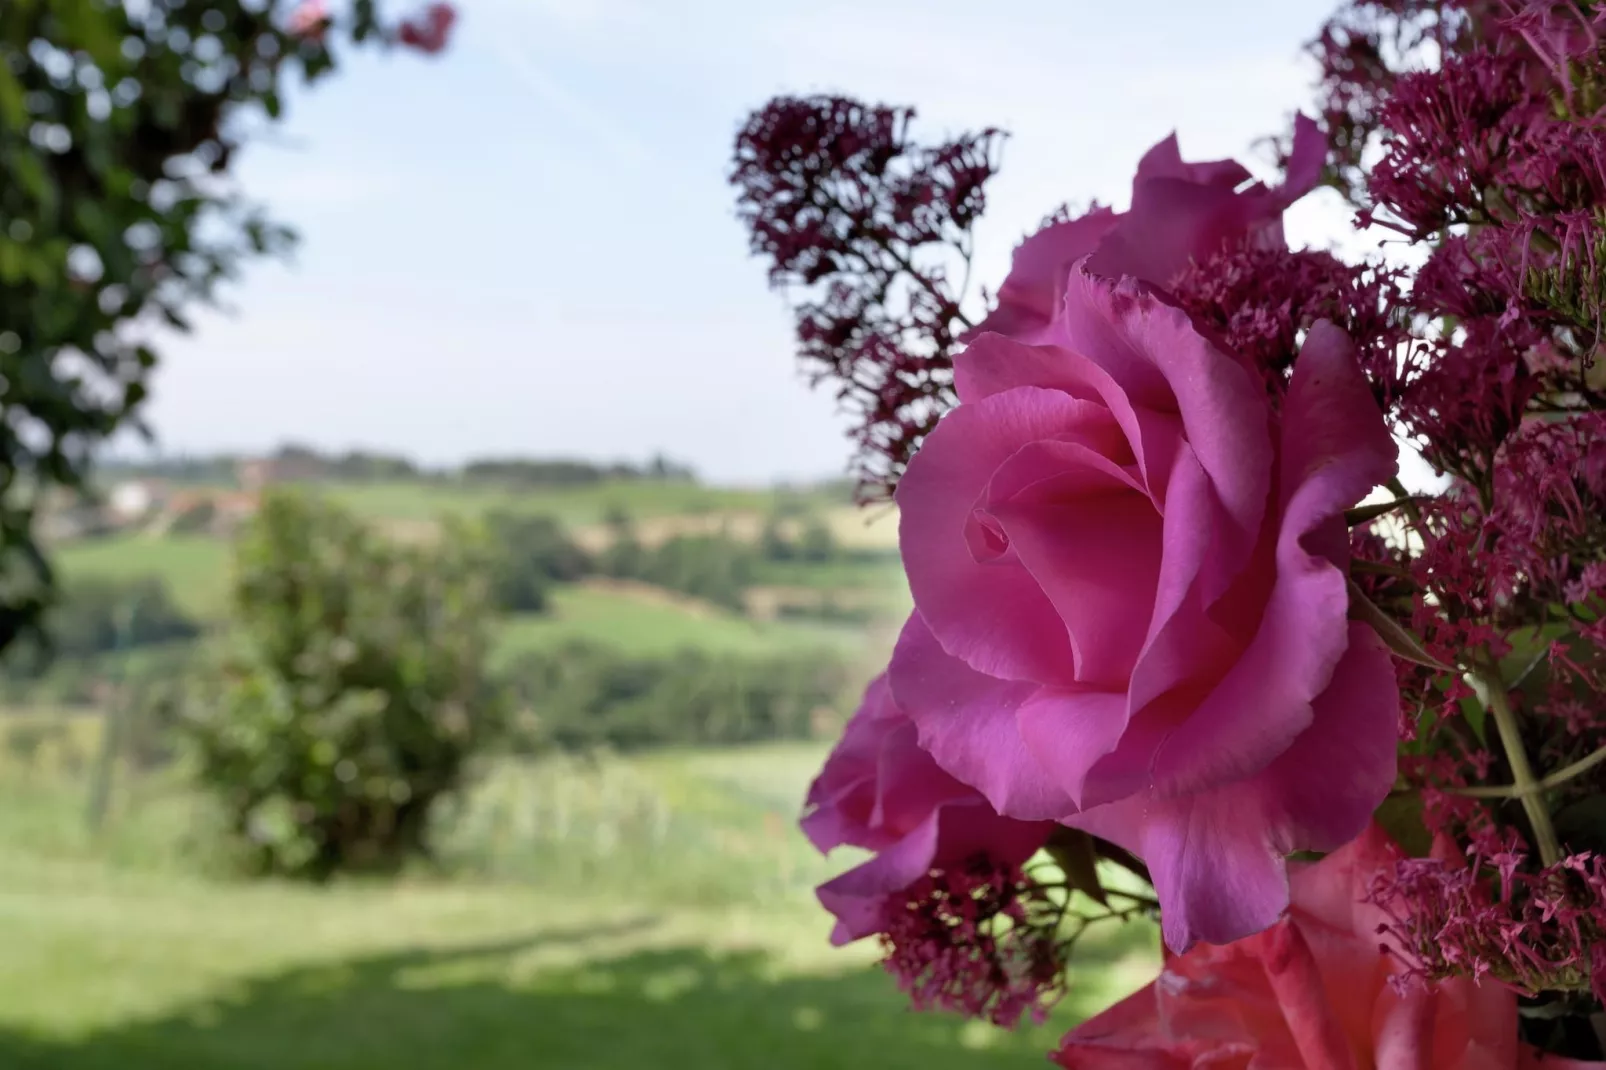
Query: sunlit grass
(685, 937)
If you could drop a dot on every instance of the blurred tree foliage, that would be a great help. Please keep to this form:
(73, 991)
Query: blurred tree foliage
(815, 543)
(119, 121)
(95, 616)
(102, 614)
(358, 692)
(582, 696)
(562, 472)
(715, 568)
(533, 553)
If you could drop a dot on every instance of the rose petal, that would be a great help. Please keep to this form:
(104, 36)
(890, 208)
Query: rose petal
(993, 616)
(1321, 793)
(995, 364)
(909, 784)
(1069, 731)
(858, 897)
(1296, 980)
(1091, 538)
(1164, 160)
(1335, 448)
(1335, 445)
(967, 722)
(1306, 159)
(1175, 222)
(1217, 878)
(1184, 641)
(1217, 856)
(1163, 364)
(1029, 297)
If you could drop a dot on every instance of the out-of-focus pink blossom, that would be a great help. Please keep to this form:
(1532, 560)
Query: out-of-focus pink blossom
(310, 20)
(430, 31)
(1314, 992)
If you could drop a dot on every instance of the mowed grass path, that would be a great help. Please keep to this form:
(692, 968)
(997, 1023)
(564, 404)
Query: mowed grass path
(118, 957)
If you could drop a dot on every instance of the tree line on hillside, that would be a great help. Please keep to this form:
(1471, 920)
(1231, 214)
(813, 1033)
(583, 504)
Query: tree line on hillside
(717, 567)
(357, 690)
(526, 556)
(309, 463)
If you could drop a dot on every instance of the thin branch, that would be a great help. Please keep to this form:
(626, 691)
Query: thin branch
(1492, 690)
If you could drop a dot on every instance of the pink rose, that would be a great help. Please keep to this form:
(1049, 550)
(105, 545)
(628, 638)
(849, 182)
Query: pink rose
(881, 792)
(1311, 992)
(1181, 212)
(1131, 604)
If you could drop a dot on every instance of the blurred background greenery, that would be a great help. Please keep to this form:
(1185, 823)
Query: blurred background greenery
(613, 877)
(341, 761)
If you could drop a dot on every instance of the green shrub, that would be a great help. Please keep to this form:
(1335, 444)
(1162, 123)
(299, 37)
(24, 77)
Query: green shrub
(533, 552)
(715, 568)
(356, 694)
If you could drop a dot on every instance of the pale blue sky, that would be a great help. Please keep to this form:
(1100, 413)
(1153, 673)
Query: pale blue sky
(527, 244)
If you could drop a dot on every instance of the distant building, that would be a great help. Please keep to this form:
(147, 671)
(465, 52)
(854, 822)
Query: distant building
(260, 472)
(212, 512)
(135, 499)
(235, 508)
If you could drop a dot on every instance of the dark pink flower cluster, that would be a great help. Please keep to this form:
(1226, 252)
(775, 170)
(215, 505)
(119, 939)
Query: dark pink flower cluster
(1361, 51)
(1490, 914)
(1262, 299)
(1452, 135)
(870, 224)
(979, 939)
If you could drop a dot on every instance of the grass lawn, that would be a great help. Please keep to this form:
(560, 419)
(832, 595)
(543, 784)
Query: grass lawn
(195, 567)
(661, 626)
(119, 956)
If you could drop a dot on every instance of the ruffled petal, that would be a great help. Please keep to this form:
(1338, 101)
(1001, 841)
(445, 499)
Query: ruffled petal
(967, 722)
(1164, 365)
(994, 616)
(1029, 298)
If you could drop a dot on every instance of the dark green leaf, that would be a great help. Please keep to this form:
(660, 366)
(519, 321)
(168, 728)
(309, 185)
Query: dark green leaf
(1401, 817)
(1073, 851)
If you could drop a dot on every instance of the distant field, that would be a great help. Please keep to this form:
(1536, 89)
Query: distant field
(634, 915)
(573, 505)
(660, 625)
(195, 567)
(882, 572)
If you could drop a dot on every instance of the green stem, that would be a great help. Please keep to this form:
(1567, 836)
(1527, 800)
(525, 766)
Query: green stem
(1554, 780)
(1492, 690)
